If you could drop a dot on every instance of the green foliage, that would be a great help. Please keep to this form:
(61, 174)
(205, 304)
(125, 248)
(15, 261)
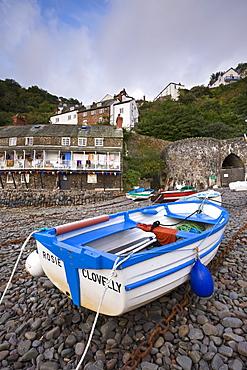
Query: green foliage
(200, 112)
(131, 178)
(149, 165)
(36, 104)
(241, 67)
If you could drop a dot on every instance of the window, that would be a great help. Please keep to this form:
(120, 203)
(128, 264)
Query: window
(121, 110)
(84, 114)
(65, 140)
(57, 119)
(12, 141)
(9, 178)
(29, 141)
(25, 176)
(98, 141)
(82, 141)
(92, 112)
(69, 117)
(74, 116)
(101, 110)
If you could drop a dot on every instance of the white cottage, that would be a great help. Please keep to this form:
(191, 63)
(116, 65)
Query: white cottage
(171, 90)
(231, 75)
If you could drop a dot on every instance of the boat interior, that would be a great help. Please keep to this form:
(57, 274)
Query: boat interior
(121, 235)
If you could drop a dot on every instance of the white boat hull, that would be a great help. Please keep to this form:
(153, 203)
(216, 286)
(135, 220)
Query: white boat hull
(238, 186)
(144, 275)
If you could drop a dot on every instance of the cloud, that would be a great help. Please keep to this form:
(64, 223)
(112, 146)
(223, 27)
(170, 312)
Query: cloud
(154, 43)
(86, 49)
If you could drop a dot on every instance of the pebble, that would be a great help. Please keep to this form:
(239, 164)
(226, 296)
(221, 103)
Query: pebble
(41, 329)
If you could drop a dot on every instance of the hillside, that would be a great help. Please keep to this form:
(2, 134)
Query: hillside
(142, 159)
(200, 112)
(35, 104)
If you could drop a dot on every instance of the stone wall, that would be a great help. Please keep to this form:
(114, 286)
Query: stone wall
(198, 161)
(52, 180)
(49, 198)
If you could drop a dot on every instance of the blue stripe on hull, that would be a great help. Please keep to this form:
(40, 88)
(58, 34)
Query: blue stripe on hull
(169, 272)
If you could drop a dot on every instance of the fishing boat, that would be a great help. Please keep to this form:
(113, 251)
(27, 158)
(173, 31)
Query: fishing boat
(238, 186)
(173, 195)
(210, 195)
(139, 194)
(132, 257)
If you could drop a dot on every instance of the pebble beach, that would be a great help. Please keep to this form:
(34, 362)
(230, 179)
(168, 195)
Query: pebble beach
(41, 329)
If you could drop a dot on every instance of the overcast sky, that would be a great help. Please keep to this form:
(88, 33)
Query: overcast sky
(86, 49)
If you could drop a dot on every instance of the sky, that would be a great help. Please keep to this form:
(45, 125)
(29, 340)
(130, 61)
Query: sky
(85, 49)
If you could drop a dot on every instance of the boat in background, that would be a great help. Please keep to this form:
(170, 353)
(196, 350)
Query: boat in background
(238, 185)
(118, 262)
(210, 195)
(139, 194)
(173, 195)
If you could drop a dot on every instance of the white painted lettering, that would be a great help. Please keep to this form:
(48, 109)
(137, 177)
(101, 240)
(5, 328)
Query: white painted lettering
(102, 280)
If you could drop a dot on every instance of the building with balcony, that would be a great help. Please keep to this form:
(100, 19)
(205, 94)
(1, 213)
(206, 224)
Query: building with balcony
(61, 156)
(231, 75)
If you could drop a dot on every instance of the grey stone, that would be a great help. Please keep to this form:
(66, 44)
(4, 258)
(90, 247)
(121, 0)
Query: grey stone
(49, 365)
(242, 348)
(32, 353)
(185, 362)
(53, 333)
(24, 346)
(70, 340)
(209, 329)
(195, 356)
(232, 322)
(225, 351)
(195, 333)
(216, 362)
(235, 365)
(79, 348)
(148, 366)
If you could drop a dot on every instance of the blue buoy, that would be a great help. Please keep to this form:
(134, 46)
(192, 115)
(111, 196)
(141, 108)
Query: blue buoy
(201, 280)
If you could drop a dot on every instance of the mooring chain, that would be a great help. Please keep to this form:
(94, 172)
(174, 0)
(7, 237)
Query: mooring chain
(218, 260)
(163, 325)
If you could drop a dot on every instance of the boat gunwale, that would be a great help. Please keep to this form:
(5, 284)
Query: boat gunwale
(88, 257)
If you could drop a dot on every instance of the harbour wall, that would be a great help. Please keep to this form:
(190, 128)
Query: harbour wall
(51, 198)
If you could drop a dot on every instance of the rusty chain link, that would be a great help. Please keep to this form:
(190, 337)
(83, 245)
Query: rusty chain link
(163, 325)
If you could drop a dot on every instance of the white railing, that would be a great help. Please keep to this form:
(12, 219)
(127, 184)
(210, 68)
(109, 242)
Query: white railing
(39, 164)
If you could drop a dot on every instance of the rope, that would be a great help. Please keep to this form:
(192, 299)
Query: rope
(178, 223)
(17, 261)
(115, 266)
(188, 225)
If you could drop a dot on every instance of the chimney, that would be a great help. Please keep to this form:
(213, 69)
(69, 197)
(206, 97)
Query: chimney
(19, 120)
(119, 122)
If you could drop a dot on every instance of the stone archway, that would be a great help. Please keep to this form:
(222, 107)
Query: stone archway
(232, 170)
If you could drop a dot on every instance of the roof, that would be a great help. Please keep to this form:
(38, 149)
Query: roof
(124, 101)
(49, 130)
(103, 104)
